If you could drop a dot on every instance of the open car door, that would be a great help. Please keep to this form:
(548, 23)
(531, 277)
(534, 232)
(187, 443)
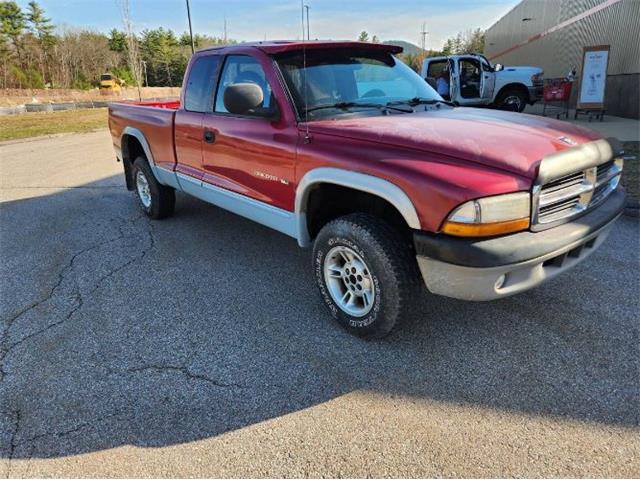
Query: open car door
(487, 83)
(454, 80)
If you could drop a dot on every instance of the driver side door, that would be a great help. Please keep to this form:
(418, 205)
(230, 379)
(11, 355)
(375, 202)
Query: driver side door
(250, 154)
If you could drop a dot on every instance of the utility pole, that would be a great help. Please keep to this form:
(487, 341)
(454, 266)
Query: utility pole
(193, 47)
(307, 9)
(144, 66)
(225, 29)
(423, 34)
(302, 13)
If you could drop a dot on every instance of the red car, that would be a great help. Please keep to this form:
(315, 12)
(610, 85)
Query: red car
(342, 146)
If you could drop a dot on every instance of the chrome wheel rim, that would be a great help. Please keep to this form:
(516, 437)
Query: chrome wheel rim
(142, 185)
(349, 281)
(513, 100)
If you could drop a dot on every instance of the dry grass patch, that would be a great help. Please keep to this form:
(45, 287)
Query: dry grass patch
(35, 124)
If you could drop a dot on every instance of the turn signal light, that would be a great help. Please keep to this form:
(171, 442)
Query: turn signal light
(485, 229)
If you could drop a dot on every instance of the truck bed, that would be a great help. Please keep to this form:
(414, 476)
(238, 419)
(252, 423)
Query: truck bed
(154, 119)
(166, 104)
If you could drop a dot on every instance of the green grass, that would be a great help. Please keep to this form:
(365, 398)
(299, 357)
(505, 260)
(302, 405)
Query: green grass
(631, 172)
(27, 125)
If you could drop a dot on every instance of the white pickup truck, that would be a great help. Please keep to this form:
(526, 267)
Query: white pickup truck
(473, 81)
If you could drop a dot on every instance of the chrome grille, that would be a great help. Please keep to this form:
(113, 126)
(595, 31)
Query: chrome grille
(564, 197)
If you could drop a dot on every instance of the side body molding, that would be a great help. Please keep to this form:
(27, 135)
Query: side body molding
(164, 176)
(358, 181)
(294, 223)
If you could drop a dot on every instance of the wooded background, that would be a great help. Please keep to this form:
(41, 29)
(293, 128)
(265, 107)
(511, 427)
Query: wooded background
(35, 54)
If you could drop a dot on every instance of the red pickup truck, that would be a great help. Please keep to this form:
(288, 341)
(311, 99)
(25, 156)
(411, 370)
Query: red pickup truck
(342, 146)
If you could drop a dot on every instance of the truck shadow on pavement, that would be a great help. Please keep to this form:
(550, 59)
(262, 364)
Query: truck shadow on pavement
(119, 330)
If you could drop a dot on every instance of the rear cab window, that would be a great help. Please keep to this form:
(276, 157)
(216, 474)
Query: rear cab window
(198, 96)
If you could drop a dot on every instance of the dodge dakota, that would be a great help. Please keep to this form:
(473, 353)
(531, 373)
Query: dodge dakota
(344, 148)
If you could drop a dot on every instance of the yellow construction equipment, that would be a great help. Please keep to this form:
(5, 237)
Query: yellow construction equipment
(110, 84)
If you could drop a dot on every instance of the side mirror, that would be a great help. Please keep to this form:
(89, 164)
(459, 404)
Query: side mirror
(497, 67)
(432, 82)
(243, 98)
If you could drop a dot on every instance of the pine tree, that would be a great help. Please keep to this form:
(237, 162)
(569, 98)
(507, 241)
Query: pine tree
(117, 41)
(12, 25)
(42, 29)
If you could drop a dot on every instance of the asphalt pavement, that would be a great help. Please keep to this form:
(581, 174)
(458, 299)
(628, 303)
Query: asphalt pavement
(198, 346)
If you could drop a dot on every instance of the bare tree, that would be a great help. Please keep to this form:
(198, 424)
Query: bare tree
(133, 51)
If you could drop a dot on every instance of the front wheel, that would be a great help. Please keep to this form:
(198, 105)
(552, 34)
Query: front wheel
(366, 273)
(513, 100)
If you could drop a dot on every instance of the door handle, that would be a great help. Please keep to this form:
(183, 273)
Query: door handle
(209, 136)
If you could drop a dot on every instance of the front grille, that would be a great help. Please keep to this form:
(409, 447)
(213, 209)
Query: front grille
(570, 194)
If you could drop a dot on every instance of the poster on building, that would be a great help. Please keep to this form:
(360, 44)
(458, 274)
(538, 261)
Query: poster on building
(594, 77)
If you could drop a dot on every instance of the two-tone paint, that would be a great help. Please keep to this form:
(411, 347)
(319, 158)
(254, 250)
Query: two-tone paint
(423, 163)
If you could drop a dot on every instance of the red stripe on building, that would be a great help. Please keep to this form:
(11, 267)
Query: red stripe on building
(566, 23)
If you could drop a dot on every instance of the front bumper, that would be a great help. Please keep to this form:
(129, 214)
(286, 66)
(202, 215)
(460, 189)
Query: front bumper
(486, 269)
(535, 93)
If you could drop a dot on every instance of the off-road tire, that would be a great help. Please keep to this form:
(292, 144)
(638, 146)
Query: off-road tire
(163, 198)
(393, 269)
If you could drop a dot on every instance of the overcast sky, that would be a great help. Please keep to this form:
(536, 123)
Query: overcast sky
(280, 19)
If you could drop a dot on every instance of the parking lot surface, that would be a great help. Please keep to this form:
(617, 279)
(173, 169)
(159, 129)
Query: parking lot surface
(198, 346)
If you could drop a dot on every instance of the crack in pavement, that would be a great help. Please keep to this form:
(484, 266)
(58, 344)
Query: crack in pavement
(52, 290)
(184, 371)
(142, 255)
(12, 444)
(79, 300)
(77, 428)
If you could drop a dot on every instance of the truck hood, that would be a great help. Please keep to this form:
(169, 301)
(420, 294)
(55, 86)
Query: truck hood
(507, 141)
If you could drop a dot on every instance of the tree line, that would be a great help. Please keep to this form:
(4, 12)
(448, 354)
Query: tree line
(36, 54)
(469, 41)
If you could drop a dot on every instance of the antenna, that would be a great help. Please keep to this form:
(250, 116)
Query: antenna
(308, 34)
(193, 47)
(307, 136)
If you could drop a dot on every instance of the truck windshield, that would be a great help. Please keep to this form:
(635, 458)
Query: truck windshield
(347, 78)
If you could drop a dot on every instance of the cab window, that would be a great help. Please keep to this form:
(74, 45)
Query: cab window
(436, 68)
(199, 91)
(242, 69)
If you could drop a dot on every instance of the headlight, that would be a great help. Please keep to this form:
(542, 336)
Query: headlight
(490, 216)
(536, 77)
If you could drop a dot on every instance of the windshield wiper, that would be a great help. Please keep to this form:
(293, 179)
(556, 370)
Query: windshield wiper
(414, 102)
(348, 105)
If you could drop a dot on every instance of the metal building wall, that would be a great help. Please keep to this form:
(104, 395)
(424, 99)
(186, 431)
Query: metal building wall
(617, 25)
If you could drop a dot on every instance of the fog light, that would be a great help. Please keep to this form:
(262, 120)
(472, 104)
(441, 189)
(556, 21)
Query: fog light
(500, 282)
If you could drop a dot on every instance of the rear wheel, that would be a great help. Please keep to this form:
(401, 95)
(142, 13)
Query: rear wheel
(513, 100)
(157, 200)
(366, 272)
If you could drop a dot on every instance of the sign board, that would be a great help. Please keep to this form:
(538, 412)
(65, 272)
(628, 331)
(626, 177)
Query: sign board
(593, 80)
